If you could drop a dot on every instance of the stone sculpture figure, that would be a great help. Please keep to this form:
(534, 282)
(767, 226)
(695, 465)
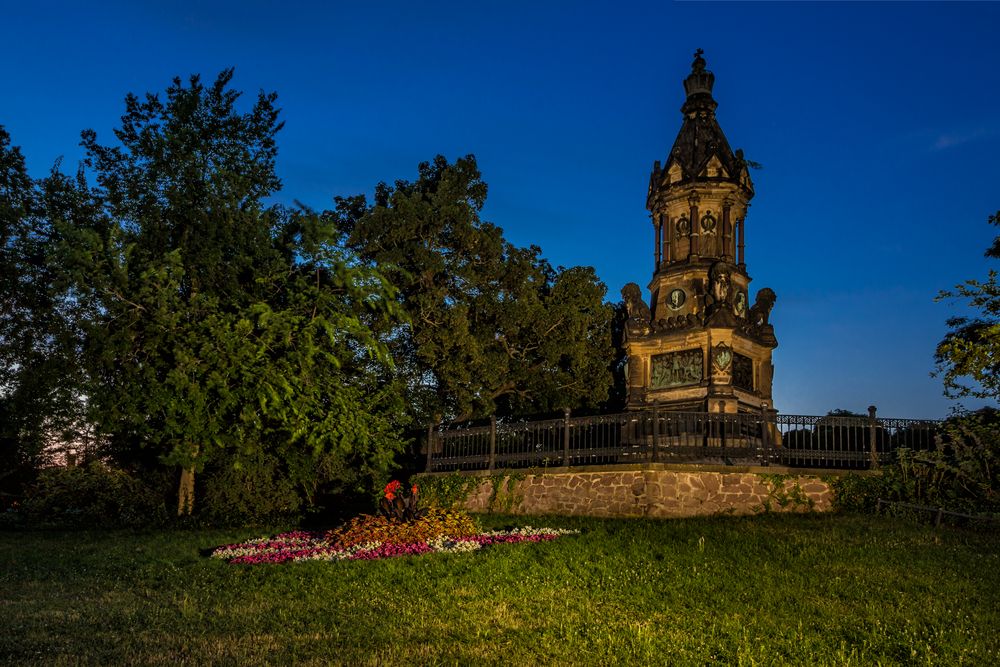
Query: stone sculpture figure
(760, 311)
(719, 302)
(757, 324)
(721, 283)
(638, 323)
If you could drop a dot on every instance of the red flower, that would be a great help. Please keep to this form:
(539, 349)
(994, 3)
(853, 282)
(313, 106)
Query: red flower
(390, 496)
(414, 490)
(391, 488)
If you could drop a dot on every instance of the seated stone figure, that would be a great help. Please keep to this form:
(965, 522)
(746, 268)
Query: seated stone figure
(757, 324)
(638, 312)
(760, 311)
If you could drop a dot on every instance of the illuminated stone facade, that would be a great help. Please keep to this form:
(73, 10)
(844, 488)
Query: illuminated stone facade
(700, 345)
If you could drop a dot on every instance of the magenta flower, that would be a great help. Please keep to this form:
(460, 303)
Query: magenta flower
(299, 546)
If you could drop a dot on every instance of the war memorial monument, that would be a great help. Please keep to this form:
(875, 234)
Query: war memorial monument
(700, 346)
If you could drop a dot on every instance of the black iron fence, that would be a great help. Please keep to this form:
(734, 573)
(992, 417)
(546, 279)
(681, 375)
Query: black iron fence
(659, 436)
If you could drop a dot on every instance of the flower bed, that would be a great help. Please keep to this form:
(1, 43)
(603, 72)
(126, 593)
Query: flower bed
(431, 523)
(299, 546)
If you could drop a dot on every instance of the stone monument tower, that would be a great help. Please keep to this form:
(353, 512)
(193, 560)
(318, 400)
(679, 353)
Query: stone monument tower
(701, 345)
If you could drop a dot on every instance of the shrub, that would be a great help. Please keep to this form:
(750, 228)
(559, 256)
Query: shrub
(447, 491)
(253, 491)
(961, 472)
(92, 496)
(859, 493)
(435, 523)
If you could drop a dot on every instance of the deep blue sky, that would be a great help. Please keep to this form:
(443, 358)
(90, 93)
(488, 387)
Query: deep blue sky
(878, 126)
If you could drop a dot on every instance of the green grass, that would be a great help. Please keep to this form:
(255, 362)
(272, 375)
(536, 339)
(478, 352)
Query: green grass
(802, 590)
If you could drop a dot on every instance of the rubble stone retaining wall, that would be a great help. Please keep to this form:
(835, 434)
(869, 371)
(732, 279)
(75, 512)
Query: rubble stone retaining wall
(651, 490)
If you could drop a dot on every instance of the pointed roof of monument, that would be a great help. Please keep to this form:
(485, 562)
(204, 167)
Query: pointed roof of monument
(701, 150)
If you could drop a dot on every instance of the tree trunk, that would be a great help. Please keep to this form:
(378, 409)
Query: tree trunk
(185, 492)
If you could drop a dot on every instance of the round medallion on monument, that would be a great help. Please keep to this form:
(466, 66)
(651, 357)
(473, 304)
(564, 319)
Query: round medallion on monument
(740, 307)
(676, 299)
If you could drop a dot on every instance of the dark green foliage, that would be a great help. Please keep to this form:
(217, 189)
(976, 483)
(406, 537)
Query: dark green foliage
(971, 350)
(175, 256)
(493, 328)
(39, 376)
(161, 315)
(253, 490)
(961, 472)
(209, 330)
(447, 491)
(860, 492)
(92, 496)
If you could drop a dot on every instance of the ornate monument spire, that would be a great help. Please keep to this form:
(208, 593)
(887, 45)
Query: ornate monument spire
(700, 344)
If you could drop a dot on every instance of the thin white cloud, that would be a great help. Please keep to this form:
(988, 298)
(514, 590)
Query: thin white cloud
(950, 140)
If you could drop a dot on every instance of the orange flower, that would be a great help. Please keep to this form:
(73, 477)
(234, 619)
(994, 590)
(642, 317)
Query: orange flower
(414, 490)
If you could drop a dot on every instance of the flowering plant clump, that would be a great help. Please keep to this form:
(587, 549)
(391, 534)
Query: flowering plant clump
(300, 546)
(434, 522)
(397, 504)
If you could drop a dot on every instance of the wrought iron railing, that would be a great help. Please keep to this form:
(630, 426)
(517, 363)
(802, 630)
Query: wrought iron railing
(659, 436)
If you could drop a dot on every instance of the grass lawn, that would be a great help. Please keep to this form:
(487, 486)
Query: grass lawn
(802, 590)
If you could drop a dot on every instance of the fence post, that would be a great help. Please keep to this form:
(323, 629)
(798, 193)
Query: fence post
(656, 431)
(493, 441)
(566, 460)
(722, 425)
(430, 446)
(871, 436)
(765, 435)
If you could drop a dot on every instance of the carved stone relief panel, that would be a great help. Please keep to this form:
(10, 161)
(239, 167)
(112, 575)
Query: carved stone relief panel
(676, 369)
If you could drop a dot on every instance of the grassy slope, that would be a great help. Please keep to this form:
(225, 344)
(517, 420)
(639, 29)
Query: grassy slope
(764, 590)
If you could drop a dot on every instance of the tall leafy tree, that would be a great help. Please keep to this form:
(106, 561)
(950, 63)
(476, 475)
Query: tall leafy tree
(222, 328)
(19, 451)
(494, 329)
(39, 380)
(968, 358)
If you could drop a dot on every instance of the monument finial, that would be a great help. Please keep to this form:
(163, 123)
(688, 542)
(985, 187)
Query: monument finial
(700, 80)
(699, 63)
